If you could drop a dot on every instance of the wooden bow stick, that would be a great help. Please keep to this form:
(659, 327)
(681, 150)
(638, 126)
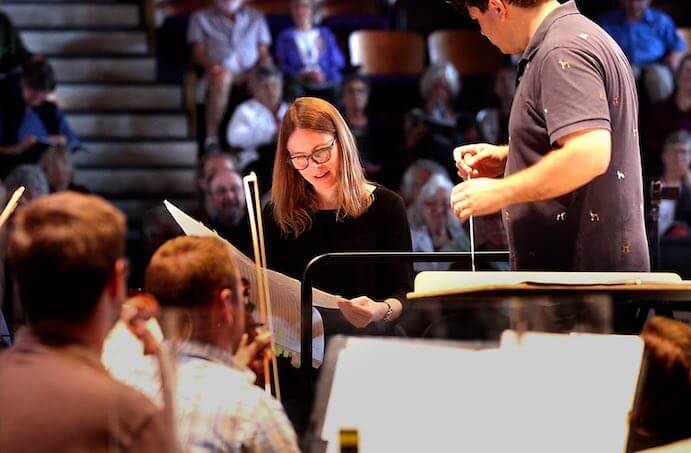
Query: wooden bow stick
(11, 205)
(263, 297)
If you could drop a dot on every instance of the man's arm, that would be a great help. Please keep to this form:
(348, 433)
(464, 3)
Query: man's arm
(673, 59)
(583, 156)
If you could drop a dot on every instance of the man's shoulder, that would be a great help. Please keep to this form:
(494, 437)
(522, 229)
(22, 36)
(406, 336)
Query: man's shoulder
(654, 16)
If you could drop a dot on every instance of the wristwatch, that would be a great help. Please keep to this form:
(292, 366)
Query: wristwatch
(389, 312)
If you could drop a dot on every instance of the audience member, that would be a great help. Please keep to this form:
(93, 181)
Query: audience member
(32, 178)
(674, 113)
(218, 407)
(225, 209)
(67, 253)
(651, 42)
(493, 121)
(309, 55)
(228, 39)
(675, 215)
(433, 226)
(374, 140)
(158, 226)
(34, 118)
(660, 413)
(56, 163)
(13, 54)
(209, 164)
(254, 124)
(431, 131)
(415, 176)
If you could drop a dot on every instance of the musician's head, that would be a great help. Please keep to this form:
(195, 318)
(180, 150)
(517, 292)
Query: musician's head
(317, 166)
(661, 411)
(198, 277)
(67, 253)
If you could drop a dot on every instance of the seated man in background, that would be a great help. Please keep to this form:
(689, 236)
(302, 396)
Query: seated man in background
(650, 40)
(32, 178)
(13, 54)
(224, 209)
(675, 215)
(67, 251)
(219, 409)
(228, 39)
(255, 123)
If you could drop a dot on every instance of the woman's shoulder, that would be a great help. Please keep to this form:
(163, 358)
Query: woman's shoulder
(386, 199)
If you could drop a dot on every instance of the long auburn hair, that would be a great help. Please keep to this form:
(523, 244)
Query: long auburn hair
(294, 199)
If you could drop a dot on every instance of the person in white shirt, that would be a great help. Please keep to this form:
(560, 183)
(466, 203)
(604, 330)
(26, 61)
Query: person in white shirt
(228, 39)
(254, 125)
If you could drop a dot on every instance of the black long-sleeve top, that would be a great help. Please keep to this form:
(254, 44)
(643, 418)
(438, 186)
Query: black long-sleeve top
(383, 227)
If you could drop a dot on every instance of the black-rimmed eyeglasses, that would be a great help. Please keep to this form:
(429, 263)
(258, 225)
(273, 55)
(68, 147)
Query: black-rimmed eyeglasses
(318, 156)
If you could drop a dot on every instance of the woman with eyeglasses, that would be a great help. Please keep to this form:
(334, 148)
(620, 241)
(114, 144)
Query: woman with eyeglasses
(321, 202)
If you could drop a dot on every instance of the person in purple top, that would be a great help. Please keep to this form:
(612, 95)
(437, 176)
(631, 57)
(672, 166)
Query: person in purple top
(309, 55)
(651, 42)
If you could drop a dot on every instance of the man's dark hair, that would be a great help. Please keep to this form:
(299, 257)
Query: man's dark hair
(39, 75)
(63, 249)
(188, 272)
(482, 5)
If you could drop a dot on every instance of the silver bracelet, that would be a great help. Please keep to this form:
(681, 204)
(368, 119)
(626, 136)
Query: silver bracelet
(389, 312)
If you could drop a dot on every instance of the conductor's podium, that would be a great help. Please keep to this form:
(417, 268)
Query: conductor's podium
(550, 377)
(607, 301)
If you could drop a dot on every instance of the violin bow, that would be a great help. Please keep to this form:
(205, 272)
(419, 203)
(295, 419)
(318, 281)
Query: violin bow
(11, 205)
(264, 299)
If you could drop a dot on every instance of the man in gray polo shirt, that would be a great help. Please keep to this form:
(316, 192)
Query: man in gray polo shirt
(571, 195)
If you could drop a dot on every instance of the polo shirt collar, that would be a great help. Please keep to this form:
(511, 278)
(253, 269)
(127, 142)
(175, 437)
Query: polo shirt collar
(564, 10)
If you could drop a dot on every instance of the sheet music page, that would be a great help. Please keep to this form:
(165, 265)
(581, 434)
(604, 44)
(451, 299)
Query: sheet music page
(449, 280)
(283, 290)
(548, 393)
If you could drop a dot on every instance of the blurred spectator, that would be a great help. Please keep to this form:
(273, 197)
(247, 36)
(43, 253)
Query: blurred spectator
(651, 42)
(673, 114)
(158, 226)
(57, 165)
(675, 215)
(32, 178)
(34, 118)
(416, 175)
(493, 122)
(660, 413)
(374, 140)
(225, 209)
(209, 164)
(254, 124)
(309, 55)
(433, 226)
(228, 39)
(13, 54)
(436, 128)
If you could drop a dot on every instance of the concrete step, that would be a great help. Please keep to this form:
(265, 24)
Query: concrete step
(86, 42)
(119, 97)
(135, 209)
(129, 125)
(122, 69)
(74, 15)
(139, 154)
(138, 183)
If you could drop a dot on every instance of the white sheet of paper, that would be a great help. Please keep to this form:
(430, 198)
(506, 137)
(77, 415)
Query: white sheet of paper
(283, 290)
(549, 393)
(450, 280)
